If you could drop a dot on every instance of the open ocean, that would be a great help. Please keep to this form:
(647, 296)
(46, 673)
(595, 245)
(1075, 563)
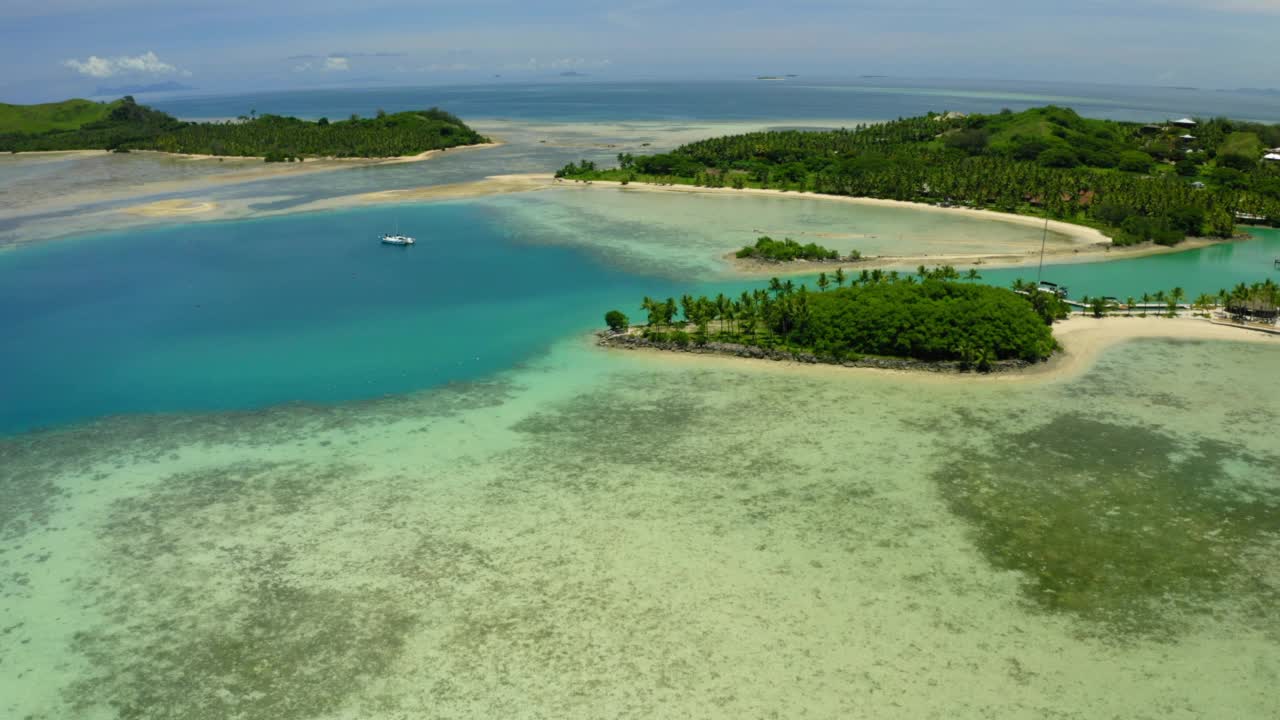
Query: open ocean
(587, 100)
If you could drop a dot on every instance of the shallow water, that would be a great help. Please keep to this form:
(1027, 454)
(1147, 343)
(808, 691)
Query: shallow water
(1206, 270)
(355, 482)
(689, 234)
(602, 534)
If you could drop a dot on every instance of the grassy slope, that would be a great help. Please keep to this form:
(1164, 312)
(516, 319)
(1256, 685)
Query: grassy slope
(1039, 123)
(65, 115)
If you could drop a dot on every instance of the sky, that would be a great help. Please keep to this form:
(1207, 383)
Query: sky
(54, 49)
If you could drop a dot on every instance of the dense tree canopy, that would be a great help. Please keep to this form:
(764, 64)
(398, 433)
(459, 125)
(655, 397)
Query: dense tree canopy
(933, 320)
(786, 250)
(1041, 161)
(932, 316)
(130, 126)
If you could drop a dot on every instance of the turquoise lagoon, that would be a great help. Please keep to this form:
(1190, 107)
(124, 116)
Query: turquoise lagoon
(308, 308)
(288, 473)
(245, 314)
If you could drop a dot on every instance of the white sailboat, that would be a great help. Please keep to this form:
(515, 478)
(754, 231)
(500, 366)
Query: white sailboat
(396, 238)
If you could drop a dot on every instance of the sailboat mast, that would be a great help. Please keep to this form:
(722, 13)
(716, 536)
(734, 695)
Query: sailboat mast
(1044, 236)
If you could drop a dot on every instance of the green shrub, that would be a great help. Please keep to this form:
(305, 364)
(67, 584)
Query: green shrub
(1135, 161)
(616, 321)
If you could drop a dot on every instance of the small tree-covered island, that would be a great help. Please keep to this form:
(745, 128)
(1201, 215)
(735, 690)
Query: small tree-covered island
(931, 320)
(767, 249)
(126, 125)
(1136, 183)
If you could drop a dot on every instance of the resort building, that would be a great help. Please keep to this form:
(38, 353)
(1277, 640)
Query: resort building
(1183, 123)
(1272, 156)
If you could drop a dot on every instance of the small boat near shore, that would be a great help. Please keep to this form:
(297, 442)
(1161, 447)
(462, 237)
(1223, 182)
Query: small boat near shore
(397, 240)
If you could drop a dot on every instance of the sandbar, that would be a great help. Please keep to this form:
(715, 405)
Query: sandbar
(247, 169)
(173, 208)
(491, 185)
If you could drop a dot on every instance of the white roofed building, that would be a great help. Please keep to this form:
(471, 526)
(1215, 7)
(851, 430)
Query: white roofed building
(1184, 122)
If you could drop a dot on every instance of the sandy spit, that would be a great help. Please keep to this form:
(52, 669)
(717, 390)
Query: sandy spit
(1083, 340)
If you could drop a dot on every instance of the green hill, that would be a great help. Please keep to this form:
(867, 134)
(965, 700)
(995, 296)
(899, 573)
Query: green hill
(65, 115)
(125, 125)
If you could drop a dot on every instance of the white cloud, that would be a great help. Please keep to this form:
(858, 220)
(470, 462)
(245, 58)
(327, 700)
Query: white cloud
(147, 63)
(336, 64)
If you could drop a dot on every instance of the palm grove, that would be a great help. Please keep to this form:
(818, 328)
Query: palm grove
(930, 316)
(127, 125)
(1136, 183)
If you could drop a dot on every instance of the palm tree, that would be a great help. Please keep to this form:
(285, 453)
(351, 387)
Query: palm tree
(972, 275)
(1128, 310)
(823, 282)
(840, 278)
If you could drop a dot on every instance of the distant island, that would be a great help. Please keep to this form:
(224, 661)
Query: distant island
(126, 125)
(880, 319)
(1134, 182)
(168, 86)
(1255, 91)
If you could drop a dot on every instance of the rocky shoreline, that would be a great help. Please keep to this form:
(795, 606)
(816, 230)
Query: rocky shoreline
(629, 341)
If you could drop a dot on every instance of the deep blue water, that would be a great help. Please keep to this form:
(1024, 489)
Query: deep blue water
(309, 307)
(867, 98)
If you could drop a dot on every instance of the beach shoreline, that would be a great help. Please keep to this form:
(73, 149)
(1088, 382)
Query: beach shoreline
(1086, 244)
(1083, 341)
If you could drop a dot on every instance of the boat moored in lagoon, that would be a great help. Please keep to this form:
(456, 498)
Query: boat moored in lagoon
(397, 240)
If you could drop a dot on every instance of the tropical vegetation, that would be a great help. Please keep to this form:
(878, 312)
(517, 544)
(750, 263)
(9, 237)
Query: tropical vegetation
(126, 125)
(932, 316)
(1259, 301)
(788, 250)
(1135, 182)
